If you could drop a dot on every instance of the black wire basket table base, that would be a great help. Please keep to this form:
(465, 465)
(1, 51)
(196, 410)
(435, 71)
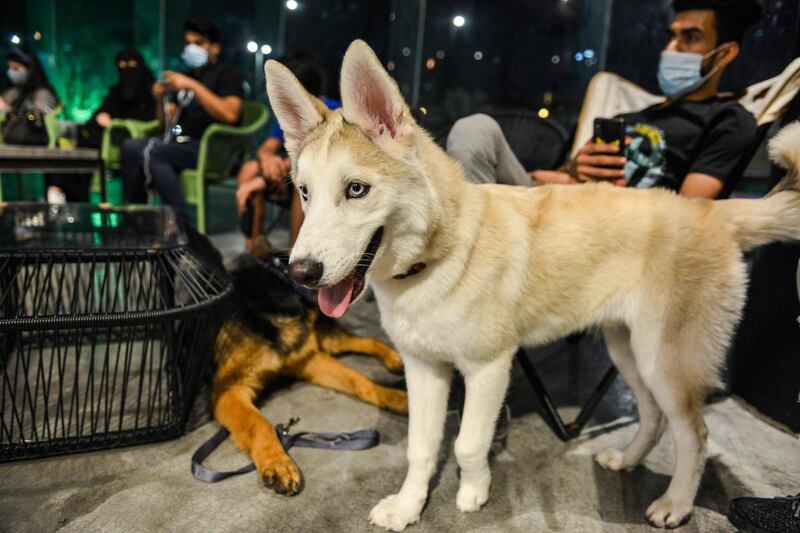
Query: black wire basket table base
(107, 324)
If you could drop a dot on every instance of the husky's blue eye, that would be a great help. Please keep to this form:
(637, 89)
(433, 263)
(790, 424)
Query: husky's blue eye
(303, 192)
(357, 190)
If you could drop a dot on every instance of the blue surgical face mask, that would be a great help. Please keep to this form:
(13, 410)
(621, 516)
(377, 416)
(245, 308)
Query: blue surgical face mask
(17, 77)
(194, 56)
(680, 73)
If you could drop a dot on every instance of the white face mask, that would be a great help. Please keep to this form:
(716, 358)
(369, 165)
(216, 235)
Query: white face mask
(17, 77)
(680, 73)
(194, 56)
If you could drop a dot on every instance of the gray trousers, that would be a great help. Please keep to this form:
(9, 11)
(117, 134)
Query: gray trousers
(478, 143)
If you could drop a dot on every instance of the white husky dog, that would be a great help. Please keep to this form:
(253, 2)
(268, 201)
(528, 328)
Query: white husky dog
(464, 274)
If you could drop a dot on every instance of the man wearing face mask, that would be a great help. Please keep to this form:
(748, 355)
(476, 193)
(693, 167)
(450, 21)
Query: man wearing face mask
(189, 103)
(690, 143)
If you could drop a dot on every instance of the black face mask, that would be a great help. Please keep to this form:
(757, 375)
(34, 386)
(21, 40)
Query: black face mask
(134, 83)
(130, 83)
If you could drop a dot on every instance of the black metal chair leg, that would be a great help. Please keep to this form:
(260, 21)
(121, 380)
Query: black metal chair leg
(550, 414)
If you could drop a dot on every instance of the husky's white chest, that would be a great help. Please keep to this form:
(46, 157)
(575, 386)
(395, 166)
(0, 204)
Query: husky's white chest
(442, 330)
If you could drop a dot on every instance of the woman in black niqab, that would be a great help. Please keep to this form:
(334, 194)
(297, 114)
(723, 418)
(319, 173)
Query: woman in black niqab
(129, 98)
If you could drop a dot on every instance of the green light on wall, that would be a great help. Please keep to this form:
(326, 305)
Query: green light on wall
(77, 46)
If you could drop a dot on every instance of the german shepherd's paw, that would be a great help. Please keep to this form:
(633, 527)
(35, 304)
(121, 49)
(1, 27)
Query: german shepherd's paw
(393, 363)
(668, 513)
(394, 514)
(281, 475)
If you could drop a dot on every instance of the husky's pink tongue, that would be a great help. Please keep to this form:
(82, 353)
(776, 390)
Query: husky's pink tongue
(333, 301)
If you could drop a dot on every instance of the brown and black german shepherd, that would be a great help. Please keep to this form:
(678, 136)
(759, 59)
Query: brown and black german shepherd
(271, 331)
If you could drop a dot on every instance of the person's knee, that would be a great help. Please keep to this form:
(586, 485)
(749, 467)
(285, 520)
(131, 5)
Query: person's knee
(128, 148)
(131, 152)
(159, 153)
(478, 130)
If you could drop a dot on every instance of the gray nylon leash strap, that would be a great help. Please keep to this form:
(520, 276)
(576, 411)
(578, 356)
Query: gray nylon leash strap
(357, 440)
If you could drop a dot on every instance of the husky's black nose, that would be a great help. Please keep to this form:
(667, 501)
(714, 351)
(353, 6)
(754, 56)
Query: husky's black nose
(306, 271)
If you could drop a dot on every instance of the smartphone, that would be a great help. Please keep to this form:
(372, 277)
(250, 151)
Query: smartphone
(609, 131)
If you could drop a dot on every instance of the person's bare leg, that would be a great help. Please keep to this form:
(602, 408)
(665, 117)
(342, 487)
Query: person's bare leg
(249, 171)
(259, 204)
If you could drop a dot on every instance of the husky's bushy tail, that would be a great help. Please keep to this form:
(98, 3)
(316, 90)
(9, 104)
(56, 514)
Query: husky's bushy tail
(776, 217)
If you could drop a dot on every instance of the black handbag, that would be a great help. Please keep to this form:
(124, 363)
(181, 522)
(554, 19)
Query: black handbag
(25, 125)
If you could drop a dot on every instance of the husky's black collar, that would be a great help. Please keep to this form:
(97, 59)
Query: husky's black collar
(415, 269)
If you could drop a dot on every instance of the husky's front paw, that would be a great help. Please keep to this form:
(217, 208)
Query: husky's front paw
(664, 512)
(610, 459)
(394, 513)
(471, 496)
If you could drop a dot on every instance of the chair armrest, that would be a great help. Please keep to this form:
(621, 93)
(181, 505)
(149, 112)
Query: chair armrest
(227, 129)
(51, 125)
(141, 128)
(220, 145)
(120, 129)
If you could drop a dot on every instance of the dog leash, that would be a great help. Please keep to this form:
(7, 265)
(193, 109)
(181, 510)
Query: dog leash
(361, 439)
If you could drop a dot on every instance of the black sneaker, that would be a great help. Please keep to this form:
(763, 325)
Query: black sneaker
(766, 515)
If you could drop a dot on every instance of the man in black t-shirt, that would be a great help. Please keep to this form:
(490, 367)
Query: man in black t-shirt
(690, 143)
(209, 92)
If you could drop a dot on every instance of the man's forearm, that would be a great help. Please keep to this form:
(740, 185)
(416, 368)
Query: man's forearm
(160, 111)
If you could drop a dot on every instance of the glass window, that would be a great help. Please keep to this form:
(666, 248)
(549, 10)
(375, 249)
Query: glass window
(450, 57)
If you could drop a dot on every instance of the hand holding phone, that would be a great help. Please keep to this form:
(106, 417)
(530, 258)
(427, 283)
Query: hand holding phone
(610, 131)
(602, 159)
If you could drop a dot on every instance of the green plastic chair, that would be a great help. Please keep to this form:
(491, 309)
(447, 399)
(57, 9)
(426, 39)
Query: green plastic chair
(220, 147)
(51, 125)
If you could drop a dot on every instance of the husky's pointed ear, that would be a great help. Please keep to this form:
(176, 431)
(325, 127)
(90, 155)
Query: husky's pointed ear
(296, 110)
(370, 97)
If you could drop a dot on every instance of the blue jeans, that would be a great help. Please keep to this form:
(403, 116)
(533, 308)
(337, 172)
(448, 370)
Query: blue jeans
(166, 161)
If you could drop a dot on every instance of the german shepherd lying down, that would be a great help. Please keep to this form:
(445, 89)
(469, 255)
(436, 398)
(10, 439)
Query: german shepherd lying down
(270, 331)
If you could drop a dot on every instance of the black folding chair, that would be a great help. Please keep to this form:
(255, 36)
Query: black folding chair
(538, 143)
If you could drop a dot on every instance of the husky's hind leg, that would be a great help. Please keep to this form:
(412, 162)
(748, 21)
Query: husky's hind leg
(683, 410)
(650, 418)
(678, 369)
